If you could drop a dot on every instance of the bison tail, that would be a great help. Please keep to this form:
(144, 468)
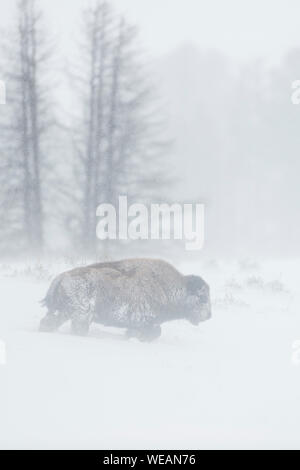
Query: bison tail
(50, 300)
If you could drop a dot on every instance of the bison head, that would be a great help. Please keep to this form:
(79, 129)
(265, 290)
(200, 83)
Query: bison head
(197, 301)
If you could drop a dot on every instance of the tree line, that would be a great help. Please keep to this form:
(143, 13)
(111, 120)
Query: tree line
(115, 144)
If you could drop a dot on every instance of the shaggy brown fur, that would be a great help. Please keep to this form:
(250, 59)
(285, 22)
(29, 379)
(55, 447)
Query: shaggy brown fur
(137, 294)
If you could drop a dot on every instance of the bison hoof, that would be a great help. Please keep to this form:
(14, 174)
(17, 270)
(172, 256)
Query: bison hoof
(48, 324)
(79, 328)
(146, 334)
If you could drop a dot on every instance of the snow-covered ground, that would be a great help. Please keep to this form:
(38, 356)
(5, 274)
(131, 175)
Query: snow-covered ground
(232, 382)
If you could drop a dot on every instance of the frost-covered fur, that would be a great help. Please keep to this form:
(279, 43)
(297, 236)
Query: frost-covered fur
(137, 294)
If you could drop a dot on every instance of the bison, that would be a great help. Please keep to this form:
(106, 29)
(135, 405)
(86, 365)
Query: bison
(136, 294)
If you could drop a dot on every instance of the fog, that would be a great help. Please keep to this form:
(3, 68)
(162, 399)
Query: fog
(156, 104)
(259, 28)
(223, 74)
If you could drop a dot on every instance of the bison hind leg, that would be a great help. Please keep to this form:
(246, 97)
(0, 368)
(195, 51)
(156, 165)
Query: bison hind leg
(51, 322)
(146, 333)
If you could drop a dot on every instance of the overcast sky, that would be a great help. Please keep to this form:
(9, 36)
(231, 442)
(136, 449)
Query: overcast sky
(240, 28)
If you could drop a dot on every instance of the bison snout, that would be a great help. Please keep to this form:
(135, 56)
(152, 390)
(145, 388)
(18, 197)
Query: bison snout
(198, 316)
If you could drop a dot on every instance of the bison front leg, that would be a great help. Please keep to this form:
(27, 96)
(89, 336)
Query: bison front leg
(145, 333)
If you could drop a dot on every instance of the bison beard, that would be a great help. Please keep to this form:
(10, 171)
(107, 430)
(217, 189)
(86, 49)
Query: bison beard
(137, 294)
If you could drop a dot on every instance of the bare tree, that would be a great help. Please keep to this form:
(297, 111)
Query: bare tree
(119, 143)
(89, 127)
(24, 125)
